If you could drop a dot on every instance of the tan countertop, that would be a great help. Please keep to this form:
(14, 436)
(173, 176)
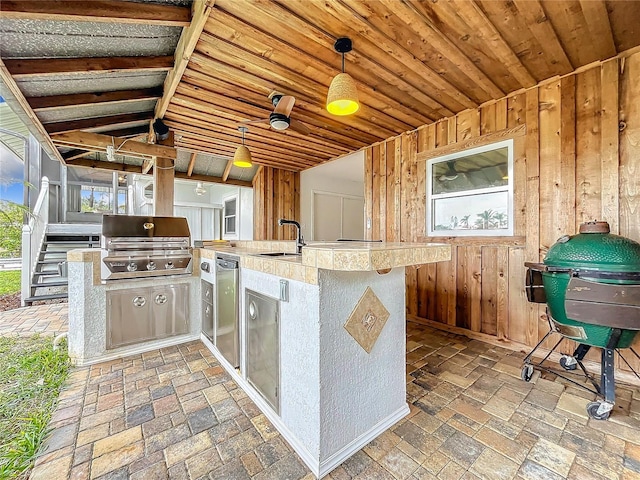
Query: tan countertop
(340, 256)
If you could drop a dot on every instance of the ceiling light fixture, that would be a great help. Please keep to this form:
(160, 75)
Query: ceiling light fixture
(242, 157)
(200, 190)
(450, 174)
(162, 131)
(342, 98)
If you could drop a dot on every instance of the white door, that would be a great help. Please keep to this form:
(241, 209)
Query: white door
(337, 216)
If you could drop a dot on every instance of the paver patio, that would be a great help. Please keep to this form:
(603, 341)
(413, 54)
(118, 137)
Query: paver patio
(175, 413)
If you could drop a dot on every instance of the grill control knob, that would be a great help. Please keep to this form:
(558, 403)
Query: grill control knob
(151, 266)
(169, 265)
(132, 267)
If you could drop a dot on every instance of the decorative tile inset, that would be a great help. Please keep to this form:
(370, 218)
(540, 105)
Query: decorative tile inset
(367, 320)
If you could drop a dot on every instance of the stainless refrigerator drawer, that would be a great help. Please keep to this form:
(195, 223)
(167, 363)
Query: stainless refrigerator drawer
(170, 310)
(207, 291)
(263, 345)
(207, 319)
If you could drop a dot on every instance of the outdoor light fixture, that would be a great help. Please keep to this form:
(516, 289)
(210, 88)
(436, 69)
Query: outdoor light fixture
(342, 98)
(162, 131)
(200, 190)
(242, 157)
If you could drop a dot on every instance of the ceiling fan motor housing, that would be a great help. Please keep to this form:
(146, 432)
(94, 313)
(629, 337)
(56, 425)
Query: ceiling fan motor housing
(279, 121)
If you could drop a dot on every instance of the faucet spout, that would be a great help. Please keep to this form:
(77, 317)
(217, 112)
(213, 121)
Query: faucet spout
(299, 240)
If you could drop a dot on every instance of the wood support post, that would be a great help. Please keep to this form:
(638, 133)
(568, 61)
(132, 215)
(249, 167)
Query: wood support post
(163, 176)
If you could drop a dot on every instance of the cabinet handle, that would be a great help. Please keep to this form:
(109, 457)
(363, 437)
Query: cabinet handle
(161, 298)
(139, 301)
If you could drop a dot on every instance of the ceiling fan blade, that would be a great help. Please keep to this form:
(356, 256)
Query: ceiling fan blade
(285, 105)
(255, 120)
(299, 127)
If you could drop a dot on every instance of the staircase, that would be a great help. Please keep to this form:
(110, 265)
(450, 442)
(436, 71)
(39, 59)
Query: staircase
(49, 280)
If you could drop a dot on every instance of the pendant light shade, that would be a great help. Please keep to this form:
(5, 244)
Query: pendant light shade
(342, 98)
(242, 157)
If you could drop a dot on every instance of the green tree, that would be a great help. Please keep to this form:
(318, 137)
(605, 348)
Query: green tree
(484, 219)
(11, 215)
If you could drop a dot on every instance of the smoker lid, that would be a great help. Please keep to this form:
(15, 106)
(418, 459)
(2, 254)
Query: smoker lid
(144, 226)
(595, 250)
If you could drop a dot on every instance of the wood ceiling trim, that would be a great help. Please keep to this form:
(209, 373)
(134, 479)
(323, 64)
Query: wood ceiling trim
(96, 122)
(227, 170)
(192, 163)
(247, 111)
(211, 113)
(111, 11)
(124, 146)
(474, 17)
(212, 179)
(246, 80)
(376, 45)
(431, 35)
(258, 99)
(541, 28)
(254, 145)
(293, 83)
(24, 68)
(318, 44)
(76, 99)
(102, 165)
(404, 108)
(186, 45)
(211, 129)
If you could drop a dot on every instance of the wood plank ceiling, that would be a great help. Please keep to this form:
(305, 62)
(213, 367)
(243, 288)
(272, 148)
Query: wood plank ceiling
(414, 62)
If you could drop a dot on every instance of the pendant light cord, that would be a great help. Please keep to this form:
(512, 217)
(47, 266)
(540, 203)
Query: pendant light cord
(343, 63)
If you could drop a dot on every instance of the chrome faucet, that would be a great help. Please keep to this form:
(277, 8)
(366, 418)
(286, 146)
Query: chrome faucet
(299, 241)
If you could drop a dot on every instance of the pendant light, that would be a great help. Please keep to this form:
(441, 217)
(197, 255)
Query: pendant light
(242, 157)
(342, 98)
(200, 190)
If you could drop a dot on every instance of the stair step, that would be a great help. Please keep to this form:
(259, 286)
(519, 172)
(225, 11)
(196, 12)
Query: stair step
(49, 284)
(48, 262)
(53, 296)
(46, 273)
(70, 242)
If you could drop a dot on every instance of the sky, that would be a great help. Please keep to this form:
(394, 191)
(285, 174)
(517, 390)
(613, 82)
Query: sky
(11, 174)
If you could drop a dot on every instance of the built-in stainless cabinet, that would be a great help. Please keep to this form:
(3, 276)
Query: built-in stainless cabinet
(142, 314)
(263, 345)
(207, 309)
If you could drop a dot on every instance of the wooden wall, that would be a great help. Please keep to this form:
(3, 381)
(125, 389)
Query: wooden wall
(577, 158)
(276, 194)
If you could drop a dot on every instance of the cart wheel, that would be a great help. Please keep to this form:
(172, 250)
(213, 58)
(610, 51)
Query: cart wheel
(527, 373)
(592, 411)
(566, 362)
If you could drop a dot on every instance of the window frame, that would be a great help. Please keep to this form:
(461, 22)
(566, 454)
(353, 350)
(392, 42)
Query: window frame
(228, 234)
(430, 197)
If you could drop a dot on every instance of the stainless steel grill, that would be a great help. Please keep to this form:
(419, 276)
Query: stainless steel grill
(141, 246)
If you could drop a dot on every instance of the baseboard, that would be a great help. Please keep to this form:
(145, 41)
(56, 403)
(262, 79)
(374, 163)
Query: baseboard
(345, 452)
(135, 350)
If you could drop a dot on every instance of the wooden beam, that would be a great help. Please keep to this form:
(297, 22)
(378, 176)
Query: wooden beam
(73, 100)
(110, 11)
(597, 18)
(102, 165)
(192, 163)
(124, 146)
(186, 45)
(147, 165)
(211, 179)
(89, 123)
(75, 154)
(126, 132)
(29, 67)
(163, 181)
(227, 170)
(16, 100)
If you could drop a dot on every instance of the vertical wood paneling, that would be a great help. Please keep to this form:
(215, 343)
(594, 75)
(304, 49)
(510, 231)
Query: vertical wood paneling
(611, 182)
(369, 199)
(276, 194)
(375, 185)
(571, 166)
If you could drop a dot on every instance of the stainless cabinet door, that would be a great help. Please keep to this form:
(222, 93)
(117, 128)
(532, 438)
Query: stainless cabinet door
(128, 319)
(226, 317)
(170, 309)
(263, 345)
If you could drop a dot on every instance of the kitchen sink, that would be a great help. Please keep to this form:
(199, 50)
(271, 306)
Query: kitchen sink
(278, 254)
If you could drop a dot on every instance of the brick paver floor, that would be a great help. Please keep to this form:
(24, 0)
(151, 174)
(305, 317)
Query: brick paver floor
(175, 413)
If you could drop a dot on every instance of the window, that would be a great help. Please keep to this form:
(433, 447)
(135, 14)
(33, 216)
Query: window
(96, 199)
(230, 216)
(471, 192)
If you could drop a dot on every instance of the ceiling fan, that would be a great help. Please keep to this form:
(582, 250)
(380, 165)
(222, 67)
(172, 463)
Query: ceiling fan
(280, 118)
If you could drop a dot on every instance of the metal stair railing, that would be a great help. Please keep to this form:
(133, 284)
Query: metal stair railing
(33, 234)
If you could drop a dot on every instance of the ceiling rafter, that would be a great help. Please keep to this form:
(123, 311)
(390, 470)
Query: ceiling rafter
(227, 170)
(76, 99)
(192, 163)
(97, 11)
(186, 45)
(597, 18)
(123, 146)
(96, 122)
(28, 67)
